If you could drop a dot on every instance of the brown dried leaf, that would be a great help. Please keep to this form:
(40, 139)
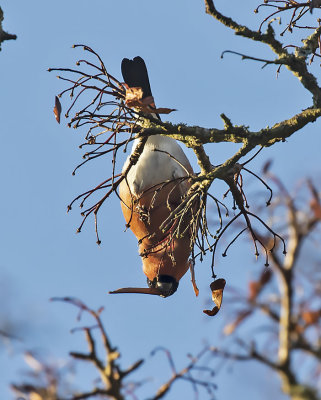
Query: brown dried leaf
(57, 109)
(212, 312)
(266, 166)
(133, 95)
(217, 288)
(196, 290)
(255, 287)
(316, 208)
(315, 201)
(191, 267)
(163, 110)
(311, 317)
(254, 290)
(265, 276)
(134, 99)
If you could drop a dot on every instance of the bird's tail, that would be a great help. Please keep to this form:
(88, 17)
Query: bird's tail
(135, 74)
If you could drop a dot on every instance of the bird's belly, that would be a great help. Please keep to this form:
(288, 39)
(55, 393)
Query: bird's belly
(161, 160)
(145, 213)
(152, 169)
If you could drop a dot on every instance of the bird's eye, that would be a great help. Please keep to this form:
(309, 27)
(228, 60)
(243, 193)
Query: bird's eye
(151, 284)
(166, 284)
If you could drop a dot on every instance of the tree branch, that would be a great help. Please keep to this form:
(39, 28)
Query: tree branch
(296, 63)
(192, 136)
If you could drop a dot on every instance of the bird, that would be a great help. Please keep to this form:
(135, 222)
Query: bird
(151, 190)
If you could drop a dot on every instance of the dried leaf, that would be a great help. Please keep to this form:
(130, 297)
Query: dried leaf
(217, 288)
(255, 287)
(191, 268)
(212, 312)
(266, 166)
(265, 276)
(163, 110)
(315, 203)
(133, 95)
(316, 208)
(57, 109)
(254, 290)
(311, 317)
(134, 99)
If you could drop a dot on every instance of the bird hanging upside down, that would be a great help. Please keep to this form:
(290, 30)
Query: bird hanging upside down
(152, 189)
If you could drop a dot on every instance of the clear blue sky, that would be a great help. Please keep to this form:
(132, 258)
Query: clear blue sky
(42, 257)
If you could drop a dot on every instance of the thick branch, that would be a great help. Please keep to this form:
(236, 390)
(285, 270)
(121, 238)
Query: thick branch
(286, 293)
(192, 136)
(296, 391)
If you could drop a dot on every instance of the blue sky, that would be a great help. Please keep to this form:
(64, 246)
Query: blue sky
(41, 255)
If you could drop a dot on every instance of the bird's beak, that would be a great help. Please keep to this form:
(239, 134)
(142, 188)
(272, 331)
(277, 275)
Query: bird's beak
(154, 291)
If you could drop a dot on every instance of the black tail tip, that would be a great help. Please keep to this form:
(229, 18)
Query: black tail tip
(135, 74)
